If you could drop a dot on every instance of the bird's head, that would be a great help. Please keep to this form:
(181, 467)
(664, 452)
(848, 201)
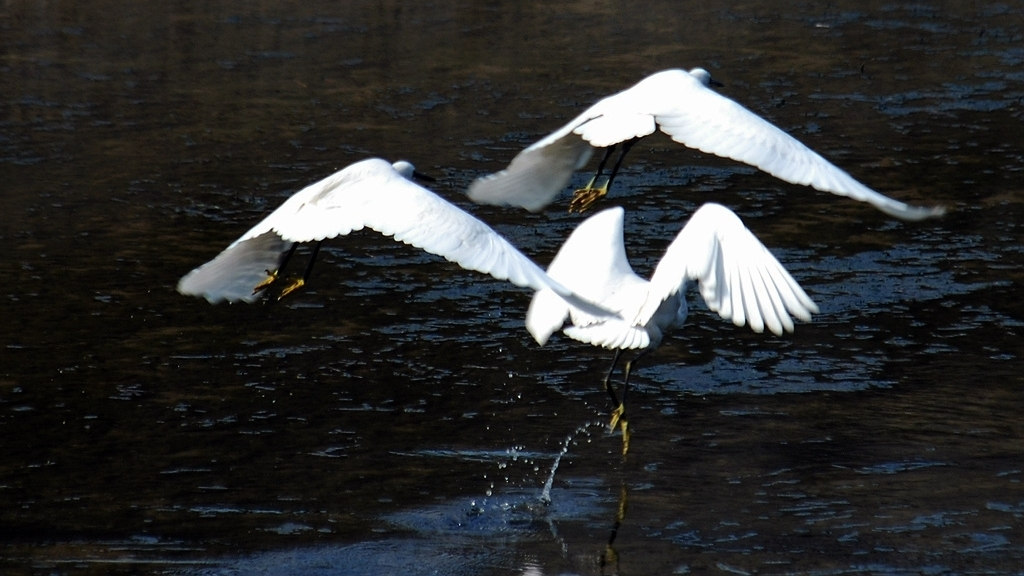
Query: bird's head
(705, 77)
(407, 170)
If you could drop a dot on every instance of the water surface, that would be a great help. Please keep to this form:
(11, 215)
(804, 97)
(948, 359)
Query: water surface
(395, 416)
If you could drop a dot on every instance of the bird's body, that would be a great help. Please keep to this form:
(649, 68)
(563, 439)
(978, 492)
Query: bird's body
(736, 276)
(374, 194)
(683, 105)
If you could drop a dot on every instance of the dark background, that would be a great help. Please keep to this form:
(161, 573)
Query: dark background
(395, 416)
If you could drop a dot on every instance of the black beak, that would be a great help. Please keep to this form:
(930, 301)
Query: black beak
(421, 176)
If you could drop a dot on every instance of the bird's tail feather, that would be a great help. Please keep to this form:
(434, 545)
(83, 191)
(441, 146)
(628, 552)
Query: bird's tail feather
(546, 315)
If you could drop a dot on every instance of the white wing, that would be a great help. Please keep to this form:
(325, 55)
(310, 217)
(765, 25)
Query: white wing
(536, 175)
(368, 194)
(692, 114)
(700, 118)
(233, 274)
(737, 276)
(592, 263)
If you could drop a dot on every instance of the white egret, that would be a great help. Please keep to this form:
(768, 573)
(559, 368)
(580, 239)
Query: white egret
(376, 194)
(682, 105)
(736, 275)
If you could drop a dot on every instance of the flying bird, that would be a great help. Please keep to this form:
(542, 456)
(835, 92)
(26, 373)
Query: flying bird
(683, 105)
(735, 273)
(375, 194)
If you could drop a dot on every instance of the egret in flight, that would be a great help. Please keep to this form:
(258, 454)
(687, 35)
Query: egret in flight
(375, 194)
(736, 276)
(683, 105)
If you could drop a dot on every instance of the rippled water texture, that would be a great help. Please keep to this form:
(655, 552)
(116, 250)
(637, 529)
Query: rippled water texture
(395, 417)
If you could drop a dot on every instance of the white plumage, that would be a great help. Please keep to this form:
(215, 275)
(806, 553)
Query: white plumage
(378, 195)
(736, 276)
(682, 105)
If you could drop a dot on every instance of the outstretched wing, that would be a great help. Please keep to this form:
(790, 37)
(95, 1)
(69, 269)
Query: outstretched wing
(692, 114)
(592, 263)
(737, 276)
(233, 274)
(370, 194)
(700, 118)
(536, 175)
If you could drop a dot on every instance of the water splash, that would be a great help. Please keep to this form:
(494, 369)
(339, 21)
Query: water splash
(545, 495)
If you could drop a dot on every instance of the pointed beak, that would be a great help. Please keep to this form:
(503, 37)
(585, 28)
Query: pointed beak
(424, 177)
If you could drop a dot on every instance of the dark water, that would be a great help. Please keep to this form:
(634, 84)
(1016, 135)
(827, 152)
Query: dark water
(395, 417)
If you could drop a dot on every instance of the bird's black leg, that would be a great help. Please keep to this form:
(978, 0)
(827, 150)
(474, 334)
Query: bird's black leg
(617, 419)
(287, 257)
(584, 198)
(620, 409)
(622, 155)
(608, 379)
(600, 167)
(300, 282)
(312, 260)
(628, 370)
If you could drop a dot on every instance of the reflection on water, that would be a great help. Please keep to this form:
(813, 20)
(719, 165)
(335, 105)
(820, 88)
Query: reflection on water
(395, 416)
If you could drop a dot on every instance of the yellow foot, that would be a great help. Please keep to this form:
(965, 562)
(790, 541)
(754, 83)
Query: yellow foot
(584, 198)
(292, 286)
(621, 423)
(270, 279)
(616, 417)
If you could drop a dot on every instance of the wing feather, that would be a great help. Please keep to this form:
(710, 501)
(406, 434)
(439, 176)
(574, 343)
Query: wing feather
(372, 194)
(705, 120)
(234, 272)
(535, 176)
(591, 263)
(692, 114)
(737, 276)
